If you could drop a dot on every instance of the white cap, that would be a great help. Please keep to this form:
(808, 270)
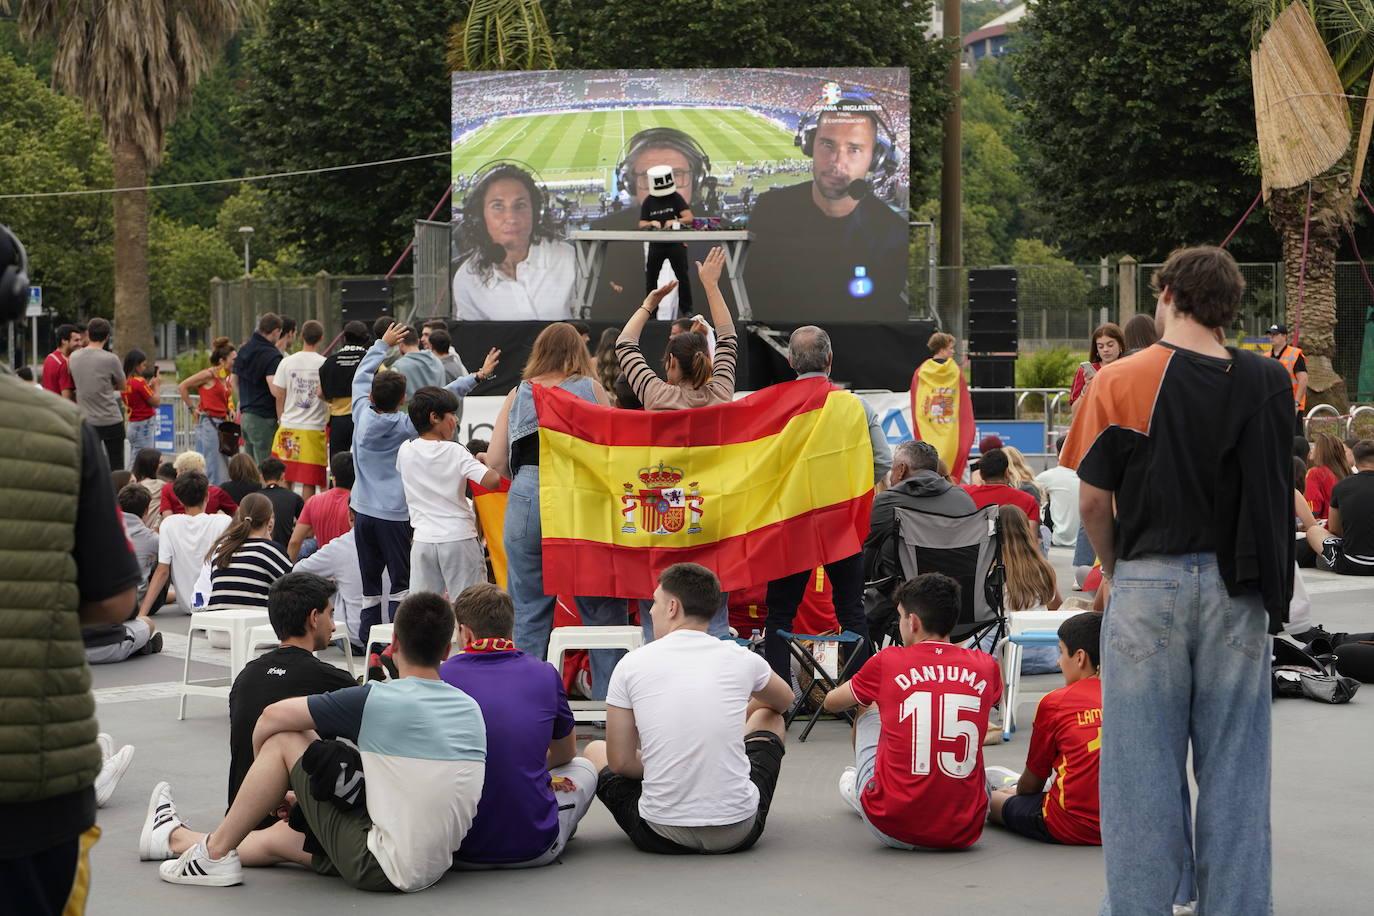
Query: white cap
(661, 182)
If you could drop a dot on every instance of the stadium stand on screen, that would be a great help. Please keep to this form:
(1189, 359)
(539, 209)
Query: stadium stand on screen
(812, 162)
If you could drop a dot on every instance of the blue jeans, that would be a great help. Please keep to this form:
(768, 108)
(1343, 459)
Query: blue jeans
(207, 443)
(1182, 661)
(1083, 553)
(142, 434)
(719, 626)
(525, 582)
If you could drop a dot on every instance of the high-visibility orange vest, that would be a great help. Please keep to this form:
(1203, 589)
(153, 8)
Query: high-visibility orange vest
(1289, 357)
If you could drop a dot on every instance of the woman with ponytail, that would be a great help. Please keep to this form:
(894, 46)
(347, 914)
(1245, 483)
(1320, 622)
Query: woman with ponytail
(244, 561)
(695, 378)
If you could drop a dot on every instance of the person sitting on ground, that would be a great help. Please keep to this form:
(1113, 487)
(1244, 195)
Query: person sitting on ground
(1030, 585)
(216, 500)
(1060, 486)
(167, 473)
(120, 479)
(244, 561)
(1345, 544)
(677, 772)
(326, 514)
(286, 502)
(695, 378)
(994, 490)
(423, 747)
(1302, 450)
(244, 477)
(444, 556)
(109, 643)
(298, 605)
(1329, 467)
(1065, 744)
(915, 484)
(184, 540)
(536, 788)
(145, 466)
(919, 783)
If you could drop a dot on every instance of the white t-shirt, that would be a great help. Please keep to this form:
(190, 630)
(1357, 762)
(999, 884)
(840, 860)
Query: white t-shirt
(689, 692)
(1061, 485)
(299, 375)
(435, 476)
(183, 541)
(541, 291)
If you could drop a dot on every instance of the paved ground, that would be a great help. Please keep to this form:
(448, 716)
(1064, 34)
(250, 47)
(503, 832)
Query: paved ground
(815, 857)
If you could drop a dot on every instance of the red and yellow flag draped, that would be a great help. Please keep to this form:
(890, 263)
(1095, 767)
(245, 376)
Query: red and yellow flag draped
(773, 484)
(490, 506)
(942, 413)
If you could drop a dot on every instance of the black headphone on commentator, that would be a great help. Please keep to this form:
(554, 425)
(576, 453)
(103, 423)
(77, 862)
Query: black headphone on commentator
(663, 138)
(517, 170)
(886, 157)
(14, 276)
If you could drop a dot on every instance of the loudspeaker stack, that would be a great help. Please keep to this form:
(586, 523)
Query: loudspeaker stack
(993, 340)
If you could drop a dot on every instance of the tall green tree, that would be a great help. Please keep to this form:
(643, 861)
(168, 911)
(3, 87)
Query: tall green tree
(769, 33)
(332, 82)
(1139, 123)
(134, 64)
(50, 144)
(184, 259)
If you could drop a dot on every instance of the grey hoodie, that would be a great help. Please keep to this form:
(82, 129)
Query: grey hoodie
(923, 490)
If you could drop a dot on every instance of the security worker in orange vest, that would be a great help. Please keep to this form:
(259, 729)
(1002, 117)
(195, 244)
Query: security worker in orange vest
(1295, 363)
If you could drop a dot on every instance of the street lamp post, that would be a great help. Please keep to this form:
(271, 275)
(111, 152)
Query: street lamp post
(247, 233)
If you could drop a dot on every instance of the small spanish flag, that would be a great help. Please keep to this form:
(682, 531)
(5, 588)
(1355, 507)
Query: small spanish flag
(490, 506)
(767, 486)
(942, 412)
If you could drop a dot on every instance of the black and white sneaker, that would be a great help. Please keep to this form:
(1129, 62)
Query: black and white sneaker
(194, 866)
(154, 843)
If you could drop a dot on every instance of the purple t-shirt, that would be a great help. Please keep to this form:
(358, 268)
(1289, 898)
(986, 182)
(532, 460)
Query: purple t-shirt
(524, 706)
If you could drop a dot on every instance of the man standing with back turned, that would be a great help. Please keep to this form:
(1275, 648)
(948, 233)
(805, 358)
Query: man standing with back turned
(1192, 440)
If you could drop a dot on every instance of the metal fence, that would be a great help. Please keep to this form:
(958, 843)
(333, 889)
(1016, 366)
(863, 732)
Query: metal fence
(236, 304)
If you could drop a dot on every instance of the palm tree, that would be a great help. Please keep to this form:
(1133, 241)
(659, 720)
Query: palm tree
(1347, 29)
(134, 64)
(502, 35)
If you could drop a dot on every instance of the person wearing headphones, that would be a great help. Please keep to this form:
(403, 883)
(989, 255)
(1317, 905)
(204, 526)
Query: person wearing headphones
(513, 266)
(830, 240)
(625, 266)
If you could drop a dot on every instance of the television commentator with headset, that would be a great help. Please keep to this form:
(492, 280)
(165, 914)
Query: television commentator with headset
(829, 246)
(623, 271)
(513, 266)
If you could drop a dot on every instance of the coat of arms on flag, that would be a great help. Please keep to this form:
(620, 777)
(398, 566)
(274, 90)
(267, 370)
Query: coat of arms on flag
(664, 505)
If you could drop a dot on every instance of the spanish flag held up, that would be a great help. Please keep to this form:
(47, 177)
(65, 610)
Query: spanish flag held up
(490, 506)
(942, 412)
(778, 482)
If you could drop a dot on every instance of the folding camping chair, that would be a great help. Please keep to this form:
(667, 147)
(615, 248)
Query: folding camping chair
(967, 548)
(811, 666)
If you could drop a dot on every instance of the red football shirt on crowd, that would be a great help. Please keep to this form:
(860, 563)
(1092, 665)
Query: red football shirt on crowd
(928, 787)
(57, 374)
(136, 395)
(1067, 741)
(327, 514)
(216, 500)
(1320, 482)
(987, 494)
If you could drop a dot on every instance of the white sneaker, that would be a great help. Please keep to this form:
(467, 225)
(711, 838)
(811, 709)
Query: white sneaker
(106, 746)
(848, 778)
(1185, 909)
(114, 769)
(1001, 778)
(194, 866)
(154, 843)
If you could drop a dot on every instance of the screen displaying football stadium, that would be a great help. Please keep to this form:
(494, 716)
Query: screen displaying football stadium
(803, 173)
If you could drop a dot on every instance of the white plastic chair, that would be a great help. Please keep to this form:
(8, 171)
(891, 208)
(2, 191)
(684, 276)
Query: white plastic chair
(1018, 623)
(567, 639)
(266, 636)
(238, 623)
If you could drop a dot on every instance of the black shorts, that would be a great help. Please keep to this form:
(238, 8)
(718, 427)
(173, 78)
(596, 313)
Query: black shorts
(620, 795)
(1333, 559)
(1024, 814)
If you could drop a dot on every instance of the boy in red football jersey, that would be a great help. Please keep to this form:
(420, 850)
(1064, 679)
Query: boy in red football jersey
(918, 777)
(1066, 741)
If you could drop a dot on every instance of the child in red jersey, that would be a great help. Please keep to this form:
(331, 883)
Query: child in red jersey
(1065, 742)
(918, 777)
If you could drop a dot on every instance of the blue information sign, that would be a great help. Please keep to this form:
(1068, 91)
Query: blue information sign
(166, 441)
(1026, 435)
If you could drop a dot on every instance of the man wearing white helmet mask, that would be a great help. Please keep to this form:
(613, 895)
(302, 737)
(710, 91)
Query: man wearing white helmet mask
(665, 208)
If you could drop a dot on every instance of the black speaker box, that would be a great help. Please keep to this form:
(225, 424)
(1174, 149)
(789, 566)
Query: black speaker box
(993, 372)
(988, 279)
(364, 300)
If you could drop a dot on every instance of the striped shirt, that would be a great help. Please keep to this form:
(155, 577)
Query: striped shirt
(656, 394)
(251, 571)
